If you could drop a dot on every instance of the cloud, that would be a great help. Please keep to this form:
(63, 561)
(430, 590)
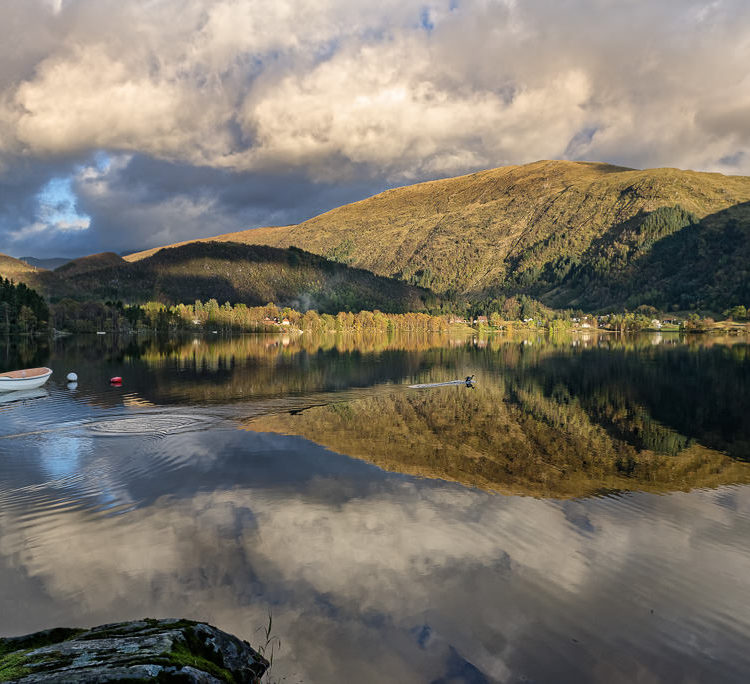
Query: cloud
(404, 122)
(345, 92)
(134, 201)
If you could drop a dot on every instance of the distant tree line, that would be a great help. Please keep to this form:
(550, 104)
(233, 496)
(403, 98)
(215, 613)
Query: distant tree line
(496, 313)
(22, 310)
(240, 317)
(74, 316)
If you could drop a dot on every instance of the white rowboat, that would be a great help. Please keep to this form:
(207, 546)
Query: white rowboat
(28, 378)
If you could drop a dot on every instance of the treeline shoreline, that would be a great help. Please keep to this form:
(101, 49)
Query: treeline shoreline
(25, 312)
(210, 316)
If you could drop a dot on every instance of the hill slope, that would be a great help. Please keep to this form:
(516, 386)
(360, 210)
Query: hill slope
(15, 269)
(253, 274)
(571, 233)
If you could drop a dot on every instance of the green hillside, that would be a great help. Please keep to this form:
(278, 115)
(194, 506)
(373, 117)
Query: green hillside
(252, 274)
(571, 233)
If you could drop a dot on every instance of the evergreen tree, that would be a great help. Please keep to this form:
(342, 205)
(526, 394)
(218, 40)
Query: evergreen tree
(22, 310)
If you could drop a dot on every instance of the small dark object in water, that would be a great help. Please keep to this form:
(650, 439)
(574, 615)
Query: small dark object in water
(469, 382)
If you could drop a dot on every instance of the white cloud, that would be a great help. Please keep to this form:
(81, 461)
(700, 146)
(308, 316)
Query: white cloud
(383, 106)
(325, 86)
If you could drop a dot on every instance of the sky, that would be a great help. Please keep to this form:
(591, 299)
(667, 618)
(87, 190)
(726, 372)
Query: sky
(127, 124)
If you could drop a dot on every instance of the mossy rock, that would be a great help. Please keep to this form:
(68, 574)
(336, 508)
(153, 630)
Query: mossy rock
(138, 651)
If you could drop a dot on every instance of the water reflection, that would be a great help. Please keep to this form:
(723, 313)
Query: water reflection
(549, 417)
(148, 500)
(437, 581)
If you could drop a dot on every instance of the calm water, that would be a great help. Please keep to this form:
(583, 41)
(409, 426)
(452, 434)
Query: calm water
(582, 515)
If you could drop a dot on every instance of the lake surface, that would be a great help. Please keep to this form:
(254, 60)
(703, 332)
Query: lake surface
(581, 515)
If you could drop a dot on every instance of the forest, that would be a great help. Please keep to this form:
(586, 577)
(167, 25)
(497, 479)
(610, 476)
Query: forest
(492, 315)
(22, 310)
(74, 316)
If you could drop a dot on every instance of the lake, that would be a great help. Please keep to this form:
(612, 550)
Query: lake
(581, 515)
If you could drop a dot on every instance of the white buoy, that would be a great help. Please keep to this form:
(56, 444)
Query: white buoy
(72, 377)
(72, 385)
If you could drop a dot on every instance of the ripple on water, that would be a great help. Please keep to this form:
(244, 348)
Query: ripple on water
(148, 425)
(69, 468)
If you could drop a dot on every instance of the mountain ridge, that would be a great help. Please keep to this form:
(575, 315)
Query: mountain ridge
(583, 235)
(537, 229)
(249, 274)
(49, 264)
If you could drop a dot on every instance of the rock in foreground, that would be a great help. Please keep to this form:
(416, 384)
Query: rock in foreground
(140, 651)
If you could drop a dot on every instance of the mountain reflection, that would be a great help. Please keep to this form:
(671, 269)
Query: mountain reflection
(547, 420)
(550, 417)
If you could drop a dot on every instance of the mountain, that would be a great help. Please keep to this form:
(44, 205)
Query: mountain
(253, 274)
(15, 269)
(570, 233)
(49, 264)
(93, 263)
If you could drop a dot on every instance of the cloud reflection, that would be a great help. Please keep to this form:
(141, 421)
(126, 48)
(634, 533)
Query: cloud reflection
(374, 576)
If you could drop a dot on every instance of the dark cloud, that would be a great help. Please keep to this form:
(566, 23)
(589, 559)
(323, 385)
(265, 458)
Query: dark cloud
(140, 202)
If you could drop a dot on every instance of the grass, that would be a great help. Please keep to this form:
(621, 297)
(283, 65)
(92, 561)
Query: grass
(19, 664)
(192, 655)
(14, 659)
(271, 642)
(13, 666)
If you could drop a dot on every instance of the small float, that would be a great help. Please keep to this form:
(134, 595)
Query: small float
(27, 378)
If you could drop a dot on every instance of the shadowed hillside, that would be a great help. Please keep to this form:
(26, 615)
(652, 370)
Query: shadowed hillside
(252, 274)
(89, 264)
(571, 233)
(50, 264)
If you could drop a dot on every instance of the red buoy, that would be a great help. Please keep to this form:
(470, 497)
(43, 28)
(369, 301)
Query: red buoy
(117, 380)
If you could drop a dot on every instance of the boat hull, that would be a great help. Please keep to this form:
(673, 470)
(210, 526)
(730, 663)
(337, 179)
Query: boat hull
(23, 395)
(13, 384)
